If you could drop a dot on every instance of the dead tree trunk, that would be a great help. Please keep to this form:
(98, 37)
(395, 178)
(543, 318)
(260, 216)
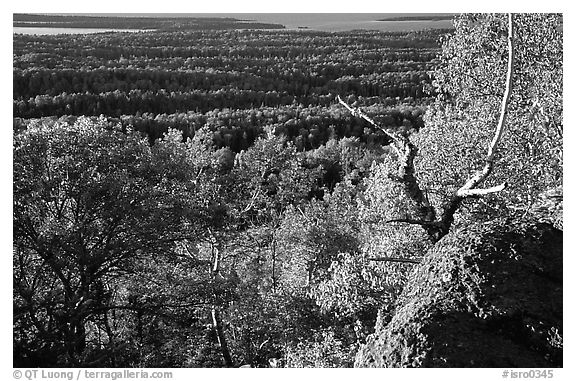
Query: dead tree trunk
(424, 214)
(405, 151)
(397, 260)
(215, 312)
(469, 189)
(274, 282)
(217, 322)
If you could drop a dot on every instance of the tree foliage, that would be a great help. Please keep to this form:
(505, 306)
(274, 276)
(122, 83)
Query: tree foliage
(91, 206)
(224, 211)
(461, 123)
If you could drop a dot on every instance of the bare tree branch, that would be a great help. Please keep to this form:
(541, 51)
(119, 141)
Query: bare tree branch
(413, 222)
(357, 112)
(252, 201)
(480, 176)
(150, 307)
(481, 192)
(425, 215)
(469, 188)
(406, 152)
(398, 260)
(222, 342)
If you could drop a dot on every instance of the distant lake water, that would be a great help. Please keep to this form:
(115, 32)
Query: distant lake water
(329, 22)
(384, 26)
(336, 22)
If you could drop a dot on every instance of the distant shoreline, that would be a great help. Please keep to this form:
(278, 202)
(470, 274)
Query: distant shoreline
(137, 23)
(419, 18)
(271, 22)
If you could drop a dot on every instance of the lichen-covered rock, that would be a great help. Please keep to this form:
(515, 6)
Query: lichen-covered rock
(488, 295)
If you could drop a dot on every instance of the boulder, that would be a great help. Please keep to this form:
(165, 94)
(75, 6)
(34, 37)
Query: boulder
(486, 295)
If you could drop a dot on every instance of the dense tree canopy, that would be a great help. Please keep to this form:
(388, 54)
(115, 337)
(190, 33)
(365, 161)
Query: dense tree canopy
(201, 198)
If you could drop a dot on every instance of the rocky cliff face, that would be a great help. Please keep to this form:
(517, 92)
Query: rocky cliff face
(487, 295)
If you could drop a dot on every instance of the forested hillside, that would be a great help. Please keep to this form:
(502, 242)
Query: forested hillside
(251, 197)
(232, 82)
